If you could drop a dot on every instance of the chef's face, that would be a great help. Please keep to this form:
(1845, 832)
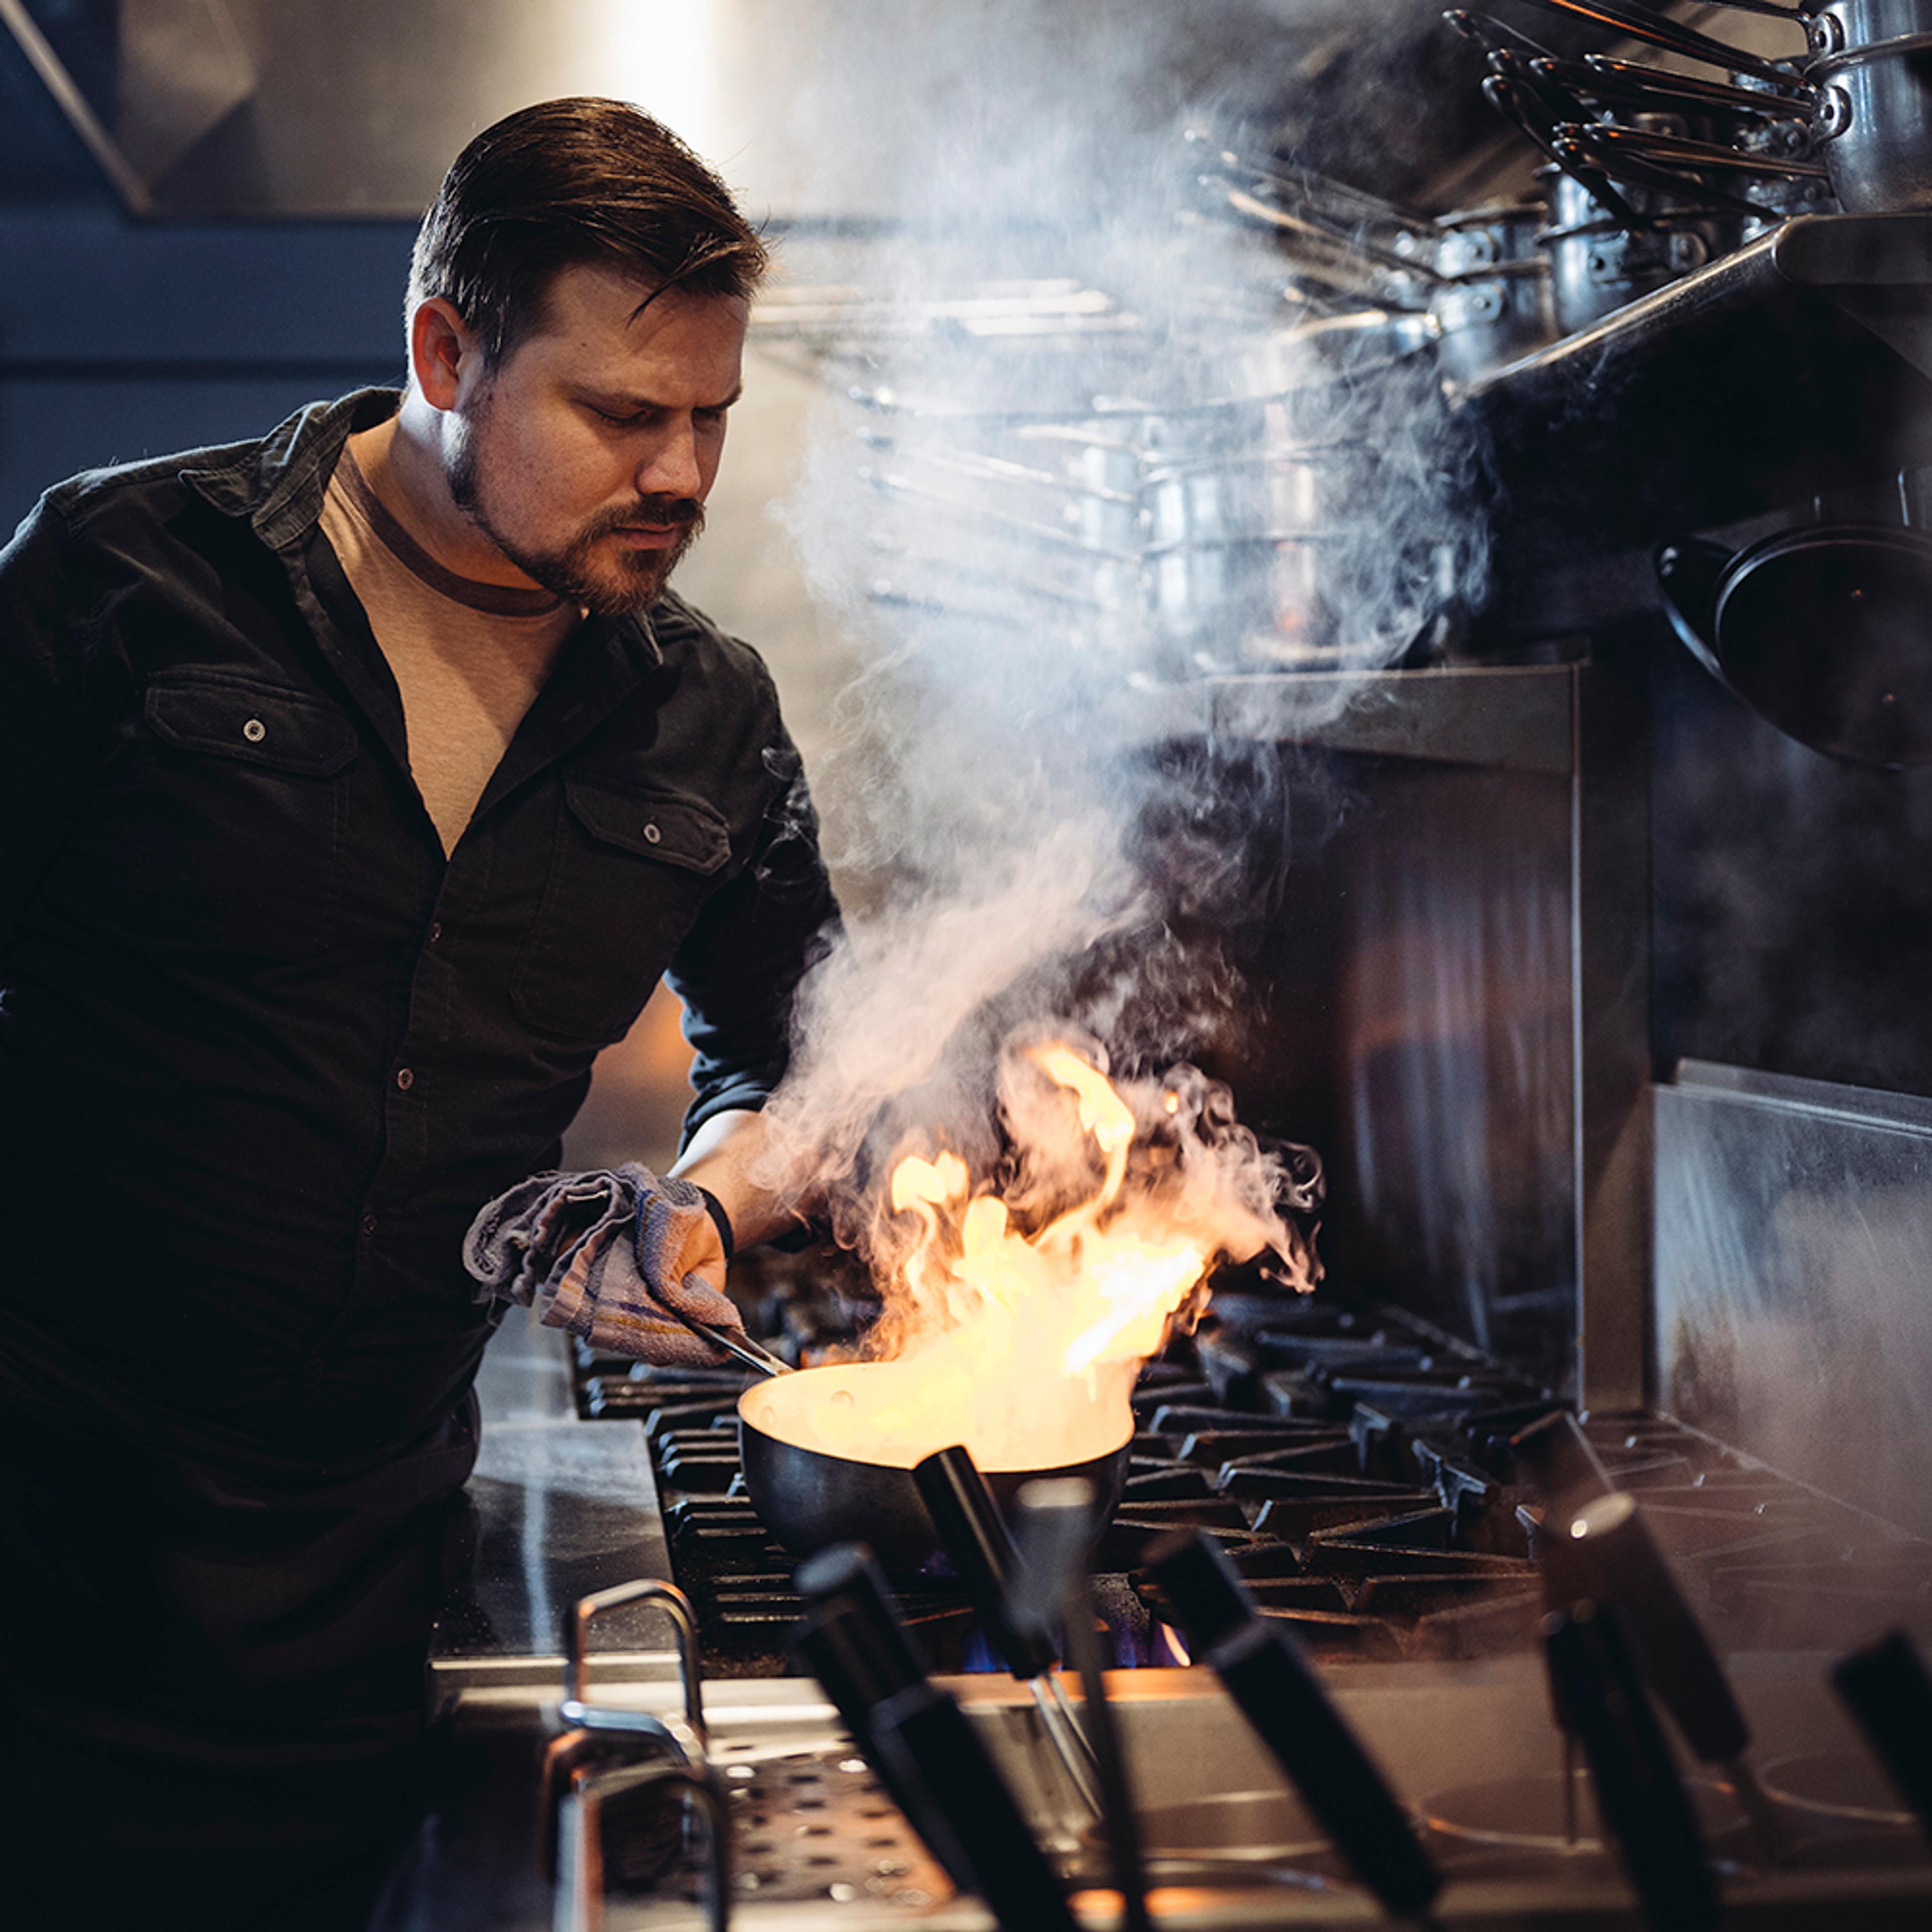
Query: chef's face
(585, 455)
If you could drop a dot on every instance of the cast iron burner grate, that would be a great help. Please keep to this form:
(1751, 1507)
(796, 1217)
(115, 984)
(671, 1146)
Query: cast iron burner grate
(1358, 1466)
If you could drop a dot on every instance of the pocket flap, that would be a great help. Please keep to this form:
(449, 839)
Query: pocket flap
(655, 825)
(238, 717)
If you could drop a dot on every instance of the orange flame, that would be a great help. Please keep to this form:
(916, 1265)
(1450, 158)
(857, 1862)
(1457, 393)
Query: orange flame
(1025, 1348)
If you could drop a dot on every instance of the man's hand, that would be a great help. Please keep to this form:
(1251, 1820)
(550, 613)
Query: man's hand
(681, 1251)
(613, 1257)
(723, 1159)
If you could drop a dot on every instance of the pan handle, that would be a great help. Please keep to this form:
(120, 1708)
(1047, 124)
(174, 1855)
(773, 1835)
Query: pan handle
(1889, 1693)
(1281, 1696)
(1690, 573)
(1637, 23)
(735, 1343)
(1639, 1791)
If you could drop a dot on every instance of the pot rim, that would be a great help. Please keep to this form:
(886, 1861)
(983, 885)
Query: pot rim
(866, 1463)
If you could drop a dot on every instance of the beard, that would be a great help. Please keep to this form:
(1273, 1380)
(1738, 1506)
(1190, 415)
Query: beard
(606, 586)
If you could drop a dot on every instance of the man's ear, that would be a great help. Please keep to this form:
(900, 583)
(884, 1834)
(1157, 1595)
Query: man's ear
(443, 353)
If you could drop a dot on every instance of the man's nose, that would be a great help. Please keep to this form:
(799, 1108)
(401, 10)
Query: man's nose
(672, 468)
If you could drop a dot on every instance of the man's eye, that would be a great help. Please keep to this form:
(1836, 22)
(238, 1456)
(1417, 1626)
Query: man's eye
(621, 417)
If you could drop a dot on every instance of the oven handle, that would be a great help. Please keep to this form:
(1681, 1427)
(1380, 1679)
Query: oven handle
(1281, 1696)
(689, 1735)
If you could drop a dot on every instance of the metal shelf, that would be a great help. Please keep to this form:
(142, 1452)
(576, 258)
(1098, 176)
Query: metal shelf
(1798, 365)
(1508, 717)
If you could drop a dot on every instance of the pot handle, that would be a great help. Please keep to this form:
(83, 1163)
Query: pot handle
(1689, 575)
(735, 1343)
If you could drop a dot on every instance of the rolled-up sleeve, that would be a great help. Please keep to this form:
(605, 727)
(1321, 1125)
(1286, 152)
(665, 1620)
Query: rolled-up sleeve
(739, 969)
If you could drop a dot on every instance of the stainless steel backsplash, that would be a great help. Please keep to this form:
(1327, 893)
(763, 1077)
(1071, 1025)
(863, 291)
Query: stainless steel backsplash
(1793, 1271)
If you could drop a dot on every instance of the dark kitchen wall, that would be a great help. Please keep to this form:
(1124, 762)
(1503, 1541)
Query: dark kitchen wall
(120, 340)
(1793, 896)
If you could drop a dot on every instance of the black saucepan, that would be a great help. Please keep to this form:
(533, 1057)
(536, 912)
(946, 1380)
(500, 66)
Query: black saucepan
(809, 1498)
(1825, 631)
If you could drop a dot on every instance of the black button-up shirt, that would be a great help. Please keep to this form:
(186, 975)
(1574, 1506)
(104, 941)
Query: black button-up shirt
(264, 1052)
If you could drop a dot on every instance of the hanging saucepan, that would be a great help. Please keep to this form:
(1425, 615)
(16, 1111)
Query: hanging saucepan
(1093, 513)
(1493, 303)
(1825, 631)
(999, 585)
(809, 1498)
(1241, 496)
(1315, 378)
(1249, 603)
(1872, 64)
(1597, 266)
(1059, 560)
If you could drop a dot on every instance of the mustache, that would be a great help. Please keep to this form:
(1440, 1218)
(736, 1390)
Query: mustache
(686, 511)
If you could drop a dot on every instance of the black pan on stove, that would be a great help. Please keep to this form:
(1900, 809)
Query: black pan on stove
(809, 1498)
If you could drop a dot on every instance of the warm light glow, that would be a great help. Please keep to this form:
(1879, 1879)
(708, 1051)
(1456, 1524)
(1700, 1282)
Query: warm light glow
(1024, 1347)
(664, 55)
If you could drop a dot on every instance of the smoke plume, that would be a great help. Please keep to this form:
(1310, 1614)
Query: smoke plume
(1083, 450)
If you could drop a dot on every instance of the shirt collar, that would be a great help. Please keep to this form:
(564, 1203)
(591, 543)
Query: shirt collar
(279, 483)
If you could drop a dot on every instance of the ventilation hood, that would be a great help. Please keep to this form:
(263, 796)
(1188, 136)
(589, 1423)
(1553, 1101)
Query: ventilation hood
(814, 110)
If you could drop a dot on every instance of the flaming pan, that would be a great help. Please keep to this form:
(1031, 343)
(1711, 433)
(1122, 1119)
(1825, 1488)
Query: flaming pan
(809, 1497)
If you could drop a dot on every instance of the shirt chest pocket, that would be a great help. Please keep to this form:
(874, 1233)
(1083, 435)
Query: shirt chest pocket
(225, 825)
(629, 873)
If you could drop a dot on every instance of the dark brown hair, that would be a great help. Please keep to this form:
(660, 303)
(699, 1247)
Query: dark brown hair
(567, 182)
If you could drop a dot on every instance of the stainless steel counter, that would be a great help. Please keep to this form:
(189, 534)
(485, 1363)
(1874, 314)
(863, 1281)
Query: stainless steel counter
(560, 1509)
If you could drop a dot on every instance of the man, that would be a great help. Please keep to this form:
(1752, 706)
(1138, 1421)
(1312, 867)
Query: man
(356, 787)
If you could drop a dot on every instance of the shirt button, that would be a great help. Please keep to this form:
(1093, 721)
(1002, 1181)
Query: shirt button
(254, 730)
(652, 834)
(435, 930)
(368, 1224)
(405, 1079)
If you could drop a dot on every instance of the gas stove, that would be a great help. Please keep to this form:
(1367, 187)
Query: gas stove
(1370, 1476)
(1375, 1482)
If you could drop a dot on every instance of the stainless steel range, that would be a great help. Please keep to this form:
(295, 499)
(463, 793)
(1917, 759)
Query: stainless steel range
(1380, 1484)
(1381, 1488)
